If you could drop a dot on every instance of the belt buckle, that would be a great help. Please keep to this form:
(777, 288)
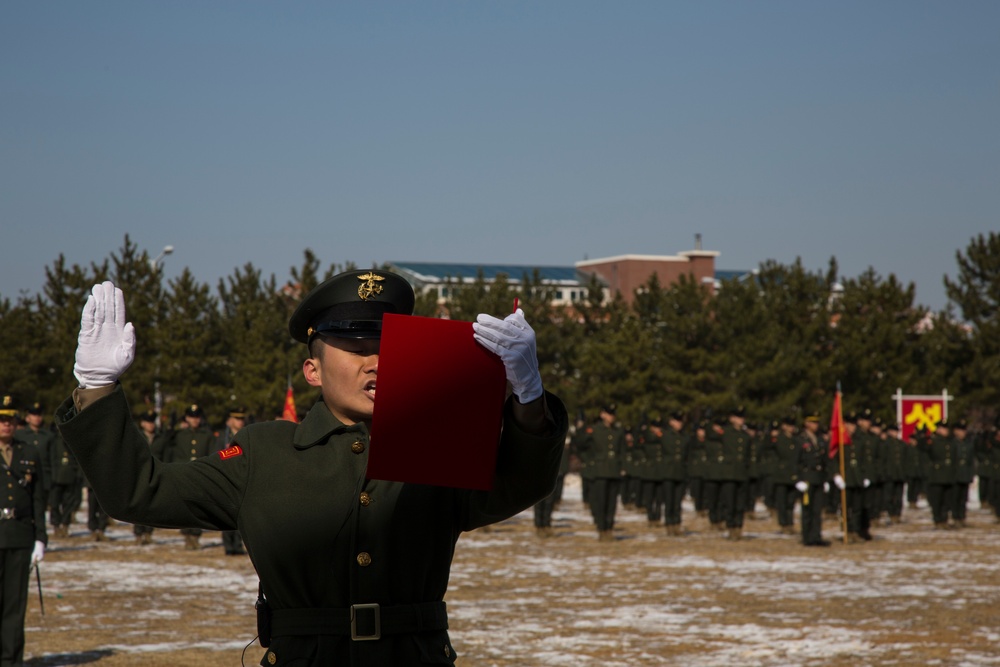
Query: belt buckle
(7, 513)
(377, 634)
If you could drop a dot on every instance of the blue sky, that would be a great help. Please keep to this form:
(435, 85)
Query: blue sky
(498, 132)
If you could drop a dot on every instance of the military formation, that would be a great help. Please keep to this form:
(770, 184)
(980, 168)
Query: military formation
(728, 467)
(63, 485)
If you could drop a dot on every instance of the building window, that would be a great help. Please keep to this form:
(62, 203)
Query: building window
(559, 294)
(444, 292)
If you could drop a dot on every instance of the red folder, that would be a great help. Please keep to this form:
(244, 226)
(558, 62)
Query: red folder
(438, 405)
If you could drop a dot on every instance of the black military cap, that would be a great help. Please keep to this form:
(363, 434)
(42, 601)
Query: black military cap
(865, 414)
(962, 424)
(655, 419)
(7, 406)
(678, 415)
(738, 411)
(194, 410)
(35, 408)
(878, 422)
(892, 426)
(851, 417)
(774, 425)
(610, 408)
(721, 420)
(237, 412)
(788, 420)
(148, 416)
(351, 305)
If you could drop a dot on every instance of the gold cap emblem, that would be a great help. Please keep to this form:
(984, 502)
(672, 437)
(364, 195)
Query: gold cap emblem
(369, 288)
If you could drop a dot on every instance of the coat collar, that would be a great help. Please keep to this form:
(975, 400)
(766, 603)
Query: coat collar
(319, 424)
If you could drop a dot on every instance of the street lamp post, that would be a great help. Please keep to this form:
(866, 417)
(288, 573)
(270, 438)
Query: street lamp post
(155, 263)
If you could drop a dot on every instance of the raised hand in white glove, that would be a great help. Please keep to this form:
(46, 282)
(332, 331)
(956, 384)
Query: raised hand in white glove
(38, 553)
(838, 481)
(801, 486)
(867, 483)
(106, 346)
(513, 340)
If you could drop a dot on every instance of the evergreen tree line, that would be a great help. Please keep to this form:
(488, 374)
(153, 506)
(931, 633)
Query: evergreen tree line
(776, 342)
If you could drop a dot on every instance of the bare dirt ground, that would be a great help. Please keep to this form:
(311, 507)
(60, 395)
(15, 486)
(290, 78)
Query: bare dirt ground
(912, 596)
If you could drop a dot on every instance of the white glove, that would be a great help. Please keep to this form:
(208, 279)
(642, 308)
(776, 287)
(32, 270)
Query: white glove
(826, 487)
(38, 553)
(802, 487)
(867, 483)
(838, 481)
(513, 340)
(106, 346)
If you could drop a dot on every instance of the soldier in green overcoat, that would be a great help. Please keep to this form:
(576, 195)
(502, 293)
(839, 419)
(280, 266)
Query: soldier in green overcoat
(813, 465)
(22, 530)
(941, 459)
(965, 470)
(602, 449)
(190, 441)
(353, 570)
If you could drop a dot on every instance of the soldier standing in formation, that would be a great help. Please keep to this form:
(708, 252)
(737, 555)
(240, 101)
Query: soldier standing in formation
(965, 470)
(22, 530)
(35, 433)
(236, 419)
(813, 466)
(697, 463)
(191, 441)
(674, 467)
(601, 448)
(147, 425)
(784, 473)
(893, 460)
(728, 450)
(65, 495)
(941, 457)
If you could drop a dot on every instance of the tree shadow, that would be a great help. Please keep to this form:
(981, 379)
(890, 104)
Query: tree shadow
(68, 659)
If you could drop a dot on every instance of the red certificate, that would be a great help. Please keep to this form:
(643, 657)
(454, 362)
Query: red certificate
(438, 405)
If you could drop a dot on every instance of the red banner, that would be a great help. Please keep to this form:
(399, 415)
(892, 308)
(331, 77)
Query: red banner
(838, 434)
(289, 413)
(920, 412)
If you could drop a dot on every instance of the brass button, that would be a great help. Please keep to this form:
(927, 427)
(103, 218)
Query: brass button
(358, 447)
(364, 559)
(447, 651)
(271, 658)
(365, 499)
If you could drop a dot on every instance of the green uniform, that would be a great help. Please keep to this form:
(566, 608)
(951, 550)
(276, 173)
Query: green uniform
(784, 470)
(42, 439)
(326, 542)
(813, 465)
(941, 461)
(66, 491)
(22, 523)
(602, 448)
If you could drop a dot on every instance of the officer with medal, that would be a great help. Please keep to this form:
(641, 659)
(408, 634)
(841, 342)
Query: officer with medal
(353, 571)
(22, 530)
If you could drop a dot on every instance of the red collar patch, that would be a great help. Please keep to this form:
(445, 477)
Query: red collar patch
(229, 453)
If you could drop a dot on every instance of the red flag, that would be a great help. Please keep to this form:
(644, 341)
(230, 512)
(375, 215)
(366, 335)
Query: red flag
(289, 413)
(838, 434)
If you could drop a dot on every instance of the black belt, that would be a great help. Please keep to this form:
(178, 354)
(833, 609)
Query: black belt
(361, 622)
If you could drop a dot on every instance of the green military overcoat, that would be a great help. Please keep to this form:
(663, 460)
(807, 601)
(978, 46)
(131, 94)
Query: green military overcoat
(326, 542)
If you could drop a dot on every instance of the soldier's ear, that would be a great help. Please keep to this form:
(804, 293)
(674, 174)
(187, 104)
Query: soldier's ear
(311, 371)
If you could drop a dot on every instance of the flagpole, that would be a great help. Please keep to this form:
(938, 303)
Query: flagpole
(840, 435)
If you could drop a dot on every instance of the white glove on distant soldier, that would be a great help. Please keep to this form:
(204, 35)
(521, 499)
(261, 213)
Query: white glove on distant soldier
(867, 483)
(513, 340)
(838, 481)
(107, 342)
(801, 486)
(38, 553)
(826, 487)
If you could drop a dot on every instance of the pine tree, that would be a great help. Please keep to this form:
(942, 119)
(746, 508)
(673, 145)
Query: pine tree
(976, 293)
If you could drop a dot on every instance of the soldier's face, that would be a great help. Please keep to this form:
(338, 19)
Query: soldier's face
(7, 428)
(34, 420)
(345, 370)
